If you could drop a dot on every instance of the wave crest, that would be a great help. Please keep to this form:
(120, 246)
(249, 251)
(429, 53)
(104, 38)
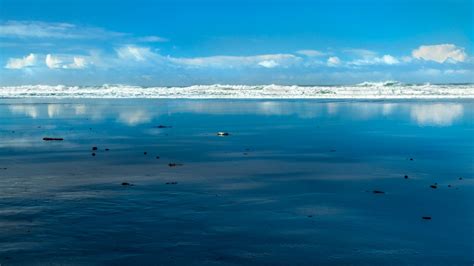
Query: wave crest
(366, 90)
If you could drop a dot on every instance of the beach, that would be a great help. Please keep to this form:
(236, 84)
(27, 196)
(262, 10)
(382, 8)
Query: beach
(300, 182)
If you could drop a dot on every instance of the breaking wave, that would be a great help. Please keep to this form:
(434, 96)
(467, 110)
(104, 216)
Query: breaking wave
(365, 90)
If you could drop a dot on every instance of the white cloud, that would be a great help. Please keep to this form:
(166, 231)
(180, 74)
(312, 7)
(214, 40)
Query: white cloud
(361, 53)
(390, 60)
(65, 61)
(457, 71)
(428, 72)
(406, 59)
(152, 39)
(135, 53)
(53, 61)
(334, 61)
(374, 60)
(440, 53)
(78, 63)
(310, 53)
(19, 63)
(269, 63)
(39, 29)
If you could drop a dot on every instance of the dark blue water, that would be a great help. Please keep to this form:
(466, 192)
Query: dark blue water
(292, 185)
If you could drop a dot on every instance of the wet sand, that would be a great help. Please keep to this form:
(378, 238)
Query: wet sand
(295, 182)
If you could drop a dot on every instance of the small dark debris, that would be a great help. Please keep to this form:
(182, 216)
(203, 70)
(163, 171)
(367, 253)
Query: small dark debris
(378, 192)
(107, 149)
(4, 168)
(245, 153)
(449, 185)
(157, 157)
(433, 186)
(172, 183)
(406, 176)
(222, 134)
(126, 184)
(426, 217)
(93, 154)
(163, 126)
(411, 159)
(174, 164)
(310, 216)
(145, 153)
(52, 139)
(94, 148)
(333, 150)
(460, 178)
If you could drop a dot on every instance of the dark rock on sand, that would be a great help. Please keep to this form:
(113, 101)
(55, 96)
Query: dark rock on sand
(449, 185)
(163, 126)
(460, 178)
(94, 148)
(126, 184)
(433, 186)
(172, 183)
(406, 176)
(107, 149)
(378, 192)
(93, 154)
(157, 157)
(411, 159)
(426, 217)
(145, 153)
(174, 164)
(52, 139)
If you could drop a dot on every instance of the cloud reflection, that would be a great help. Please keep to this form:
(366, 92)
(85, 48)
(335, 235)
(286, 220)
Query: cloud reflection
(439, 114)
(28, 110)
(136, 117)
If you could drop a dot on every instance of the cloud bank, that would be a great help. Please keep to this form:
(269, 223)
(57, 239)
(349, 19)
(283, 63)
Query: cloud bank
(38, 49)
(440, 53)
(19, 63)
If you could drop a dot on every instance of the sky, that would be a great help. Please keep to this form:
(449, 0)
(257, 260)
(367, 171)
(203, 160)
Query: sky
(184, 42)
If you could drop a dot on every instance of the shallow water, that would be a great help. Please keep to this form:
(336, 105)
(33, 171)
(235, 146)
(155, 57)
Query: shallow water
(291, 185)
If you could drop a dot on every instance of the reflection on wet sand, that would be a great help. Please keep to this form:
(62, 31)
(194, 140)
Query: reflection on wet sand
(424, 114)
(293, 183)
(436, 114)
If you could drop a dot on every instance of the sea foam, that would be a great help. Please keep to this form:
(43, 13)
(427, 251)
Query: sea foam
(366, 90)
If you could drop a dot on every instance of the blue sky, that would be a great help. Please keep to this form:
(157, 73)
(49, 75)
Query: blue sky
(235, 42)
